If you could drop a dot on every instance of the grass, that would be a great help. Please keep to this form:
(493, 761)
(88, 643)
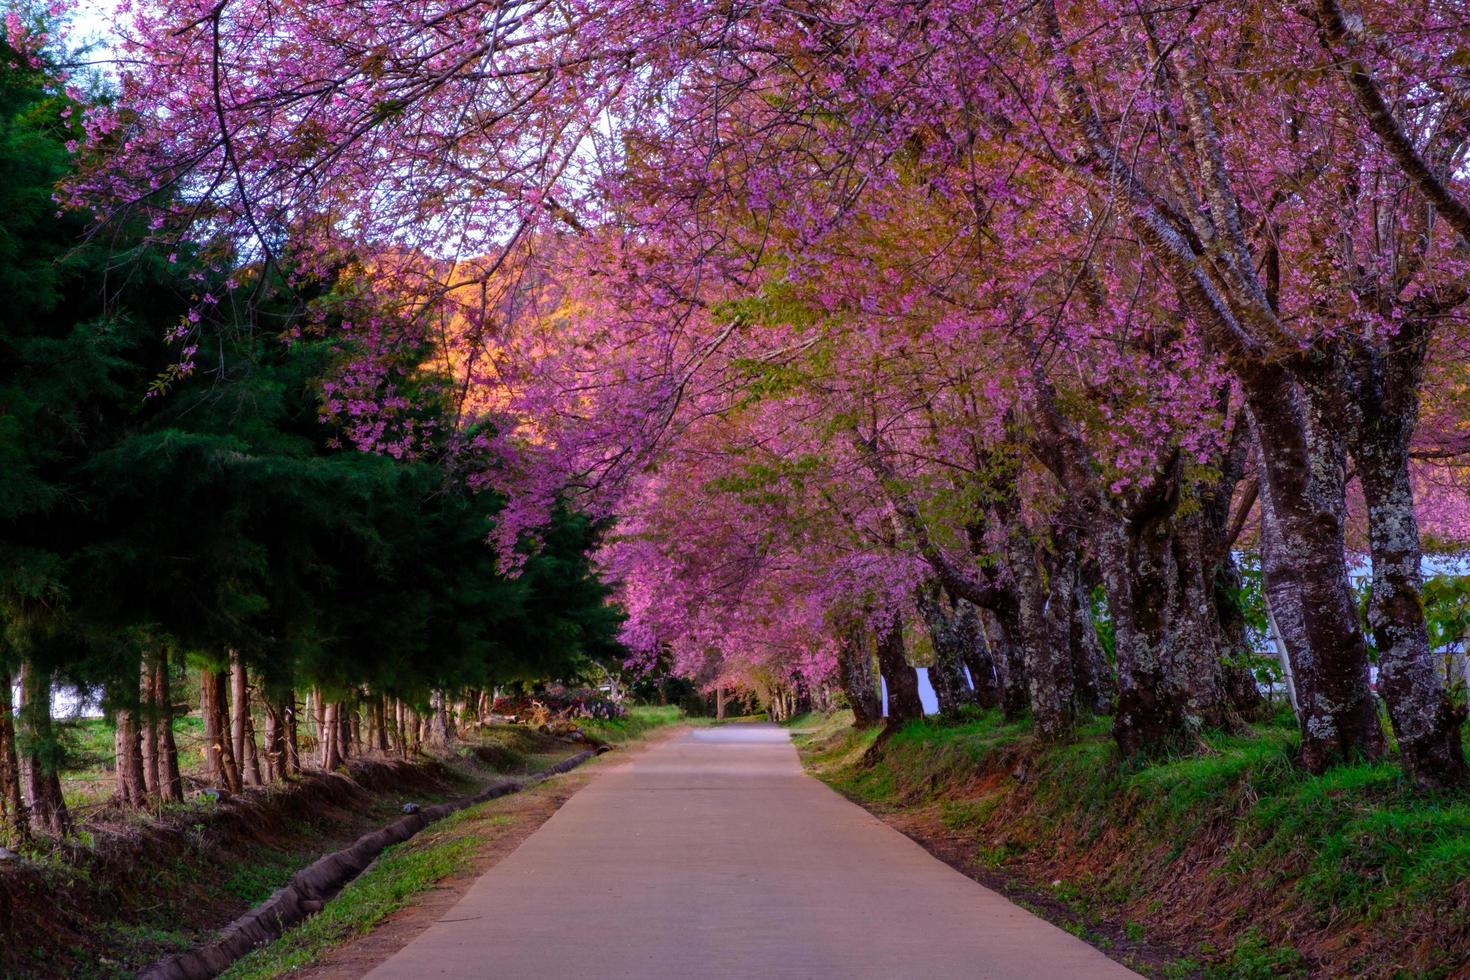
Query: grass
(87, 777)
(637, 722)
(1355, 866)
(253, 882)
(399, 874)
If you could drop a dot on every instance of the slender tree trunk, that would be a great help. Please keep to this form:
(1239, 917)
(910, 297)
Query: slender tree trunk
(148, 726)
(440, 732)
(354, 725)
(280, 747)
(316, 708)
(128, 750)
(242, 725)
(293, 741)
(214, 702)
(380, 708)
(275, 741)
(1287, 678)
(346, 715)
(400, 744)
(170, 782)
(900, 678)
(213, 751)
(720, 703)
(239, 706)
(407, 729)
(41, 755)
(331, 756)
(14, 832)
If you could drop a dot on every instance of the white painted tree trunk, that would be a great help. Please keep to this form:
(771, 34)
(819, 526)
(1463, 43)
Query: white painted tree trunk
(1286, 675)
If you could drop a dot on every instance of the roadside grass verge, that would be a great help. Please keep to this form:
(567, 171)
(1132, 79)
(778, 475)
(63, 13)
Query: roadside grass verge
(132, 886)
(1230, 851)
(391, 882)
(637, 722)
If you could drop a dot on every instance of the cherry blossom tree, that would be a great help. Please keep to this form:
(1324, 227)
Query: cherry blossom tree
(859, 315)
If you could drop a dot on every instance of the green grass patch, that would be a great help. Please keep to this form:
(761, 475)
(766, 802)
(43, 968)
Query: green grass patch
(254, 881)
(639, 720)
(400, 873)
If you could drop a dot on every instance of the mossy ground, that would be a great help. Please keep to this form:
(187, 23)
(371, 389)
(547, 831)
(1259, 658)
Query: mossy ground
(1229, 851)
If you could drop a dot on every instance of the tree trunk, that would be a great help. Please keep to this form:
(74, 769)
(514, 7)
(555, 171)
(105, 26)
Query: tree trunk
(1089, 661)
(346, 718)
(1302, 498)
(127, 747)
(293, 742)
(1287, 678)
(1426, 722)
(400, 740)
(214, 704)
(1001, 629)
(354, 725)
(40, 755)
(214, 768)
(242, 723)
(440, 732)
(947, 674)
(148, 726)
(859, 682)
(1044, 613)
(275, 741)
(331, 755)
(977, 655)
(409, 722)
(1149, 711)
(317, 711)
(380, 719)
(170, 782)
(1375, 391)
(13, 827)
(900, 678)
(1199, 670)
(239, 705)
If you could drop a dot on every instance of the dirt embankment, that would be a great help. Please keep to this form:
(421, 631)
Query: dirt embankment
(131, 888)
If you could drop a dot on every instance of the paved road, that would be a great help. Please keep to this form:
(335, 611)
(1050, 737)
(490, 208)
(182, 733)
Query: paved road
(714, 855)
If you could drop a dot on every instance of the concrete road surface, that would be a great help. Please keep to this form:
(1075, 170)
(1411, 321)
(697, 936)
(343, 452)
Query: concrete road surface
(714, 855)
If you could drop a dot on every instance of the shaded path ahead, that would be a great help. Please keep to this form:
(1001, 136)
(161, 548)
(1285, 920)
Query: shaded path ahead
(715, 855)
